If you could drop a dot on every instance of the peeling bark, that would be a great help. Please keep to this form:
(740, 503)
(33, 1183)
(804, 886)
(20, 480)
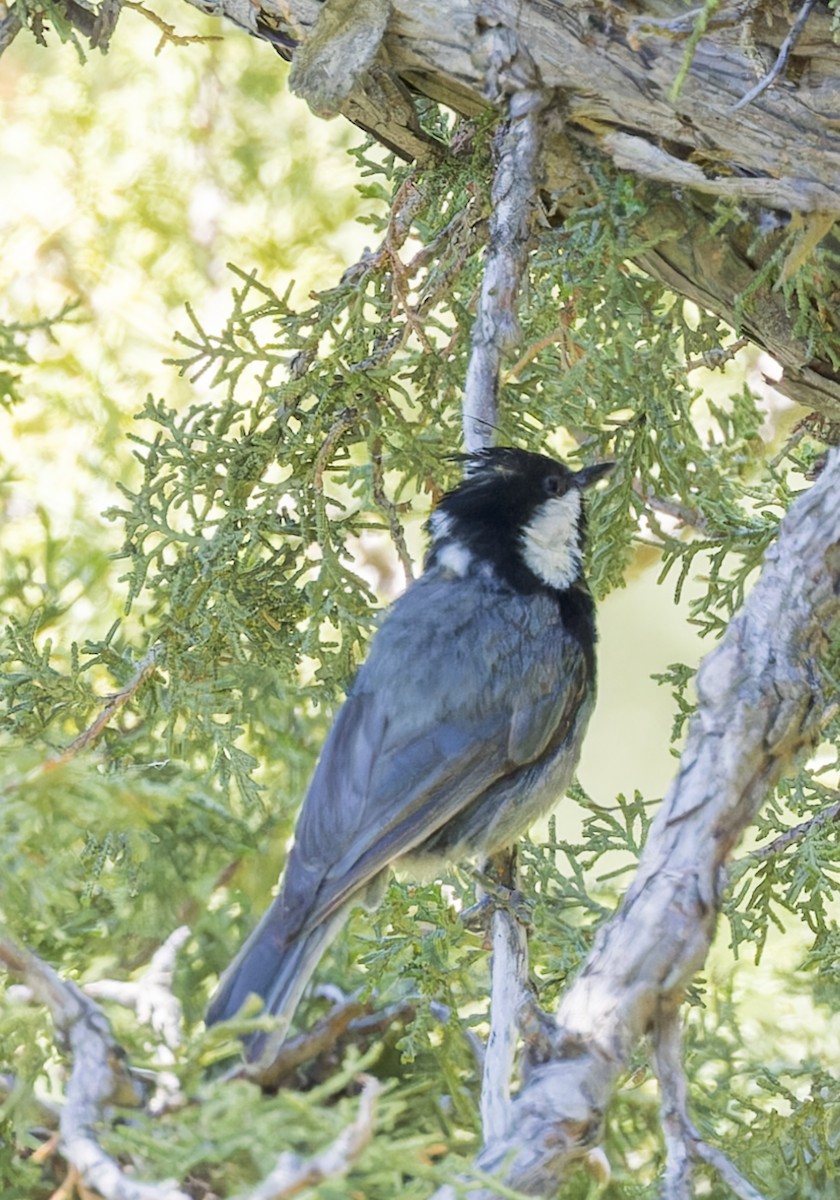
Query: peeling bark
(611, 72)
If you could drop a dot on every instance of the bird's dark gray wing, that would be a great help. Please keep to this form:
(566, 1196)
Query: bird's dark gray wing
(453, 697)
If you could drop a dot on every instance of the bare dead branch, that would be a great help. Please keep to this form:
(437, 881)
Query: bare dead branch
(293, 1174)
(760, 704)
(514, 194)
(782, 59)
(682, 1139)
(508, 991)
(156, 1005)
(150, 996)
(98, 1077)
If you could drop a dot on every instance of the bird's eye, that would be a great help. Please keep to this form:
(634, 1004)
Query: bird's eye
(553, 485)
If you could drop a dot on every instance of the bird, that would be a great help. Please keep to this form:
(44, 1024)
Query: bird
(463, 726)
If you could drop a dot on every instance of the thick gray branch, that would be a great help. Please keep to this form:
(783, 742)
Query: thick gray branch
(760, 705)
(611, 71)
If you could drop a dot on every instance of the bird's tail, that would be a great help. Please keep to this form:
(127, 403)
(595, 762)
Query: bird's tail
(274, 969)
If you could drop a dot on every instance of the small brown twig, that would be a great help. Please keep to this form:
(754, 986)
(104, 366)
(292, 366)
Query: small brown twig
(557, 335)
(145, 669)
(322, 1039)
(168, 33)
(390, 509)
(781, 60)
(352, 1022)
(672, 508)
(345, 421)
(796, 834)
(88, 737)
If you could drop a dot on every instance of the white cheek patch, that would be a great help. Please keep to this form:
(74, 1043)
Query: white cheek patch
(455, 557)
(550, 541)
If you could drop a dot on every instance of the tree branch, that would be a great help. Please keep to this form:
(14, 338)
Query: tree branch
(292, 1174)
(781, 61)
(610, 74)
(760, 704)
(10, 27)
(145, 669)
(515, 188)
(98, 1077)
(508, 992)
(682, 1139)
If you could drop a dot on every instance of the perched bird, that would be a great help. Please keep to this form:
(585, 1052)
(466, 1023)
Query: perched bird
(463, 726)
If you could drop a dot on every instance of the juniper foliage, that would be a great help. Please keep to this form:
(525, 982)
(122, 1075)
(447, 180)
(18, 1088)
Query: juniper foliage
(243, 597)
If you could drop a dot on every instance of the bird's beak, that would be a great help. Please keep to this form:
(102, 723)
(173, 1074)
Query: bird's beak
(586, 476)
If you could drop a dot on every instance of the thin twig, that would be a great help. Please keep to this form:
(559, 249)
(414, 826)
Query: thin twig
(513, 198)
(145, 668)
(349, 1023)
(714, 359)
(293, 1174)
(667, 1065)
(684, 24)
(682, 1138)
(390, 509)
(672, 508)
(556, 335)
(10, 27)
(781, 60)
(345, 421)
(88, 737)
(168, 33)
(791, 444)
(791, 836)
